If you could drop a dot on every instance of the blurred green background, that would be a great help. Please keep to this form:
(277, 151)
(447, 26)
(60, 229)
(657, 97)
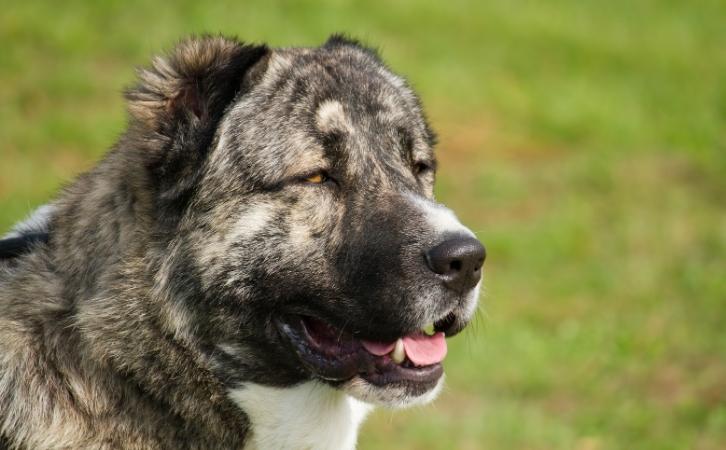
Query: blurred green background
(584, 141)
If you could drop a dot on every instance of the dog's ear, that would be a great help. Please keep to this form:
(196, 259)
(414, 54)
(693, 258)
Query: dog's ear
(344, 40)
(176, 107)
(192, 84)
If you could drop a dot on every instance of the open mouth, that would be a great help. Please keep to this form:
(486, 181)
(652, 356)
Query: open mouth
(333, 354)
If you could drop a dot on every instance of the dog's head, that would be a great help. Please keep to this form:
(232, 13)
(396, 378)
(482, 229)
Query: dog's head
(294, 201)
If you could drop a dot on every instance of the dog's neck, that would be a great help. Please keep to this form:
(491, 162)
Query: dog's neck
(310, 415)
(101, 252)
(164, 368)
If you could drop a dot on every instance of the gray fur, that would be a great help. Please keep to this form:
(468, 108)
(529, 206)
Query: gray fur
(168, 262)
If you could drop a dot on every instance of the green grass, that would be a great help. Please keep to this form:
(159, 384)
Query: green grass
(584, 141)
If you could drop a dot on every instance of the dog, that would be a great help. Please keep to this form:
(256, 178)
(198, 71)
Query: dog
(256, 264)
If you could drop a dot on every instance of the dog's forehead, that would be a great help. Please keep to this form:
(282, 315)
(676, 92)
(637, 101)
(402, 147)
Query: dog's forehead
(347, 84)
(311, 107)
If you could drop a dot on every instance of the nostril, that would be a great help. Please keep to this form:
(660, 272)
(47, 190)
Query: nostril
(478, 265)
(455, 265)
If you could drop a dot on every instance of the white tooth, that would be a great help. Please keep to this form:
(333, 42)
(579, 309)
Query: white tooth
(398, 355)
(429, 329)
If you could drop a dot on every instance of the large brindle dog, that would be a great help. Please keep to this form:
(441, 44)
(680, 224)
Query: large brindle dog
(256, 263)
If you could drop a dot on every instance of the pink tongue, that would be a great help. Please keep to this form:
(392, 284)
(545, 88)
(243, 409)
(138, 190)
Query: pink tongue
(424, 350)
(421, 349)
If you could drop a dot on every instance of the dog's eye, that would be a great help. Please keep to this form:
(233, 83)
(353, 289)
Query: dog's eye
(421, 168)
(317, 178)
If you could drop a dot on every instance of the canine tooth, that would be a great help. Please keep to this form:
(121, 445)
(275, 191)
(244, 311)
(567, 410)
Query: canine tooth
(429, 329)
(398, 355)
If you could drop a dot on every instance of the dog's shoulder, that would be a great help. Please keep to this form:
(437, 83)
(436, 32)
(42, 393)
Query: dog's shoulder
(308, 415)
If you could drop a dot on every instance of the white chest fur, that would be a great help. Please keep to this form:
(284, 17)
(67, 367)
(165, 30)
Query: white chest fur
(310, 415)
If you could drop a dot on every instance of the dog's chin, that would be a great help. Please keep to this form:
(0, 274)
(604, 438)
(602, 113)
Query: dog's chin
(393, 395)
(379, 376)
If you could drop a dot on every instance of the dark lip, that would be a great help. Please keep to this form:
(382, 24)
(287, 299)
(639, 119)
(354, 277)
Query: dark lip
(346, 358)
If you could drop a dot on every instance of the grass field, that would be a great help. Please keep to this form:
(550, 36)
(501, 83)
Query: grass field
(584, 141)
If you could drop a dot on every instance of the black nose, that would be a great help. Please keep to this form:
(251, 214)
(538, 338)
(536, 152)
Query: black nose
(458, 261)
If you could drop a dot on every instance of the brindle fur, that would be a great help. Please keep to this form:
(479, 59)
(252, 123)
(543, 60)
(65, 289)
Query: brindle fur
(166, 263)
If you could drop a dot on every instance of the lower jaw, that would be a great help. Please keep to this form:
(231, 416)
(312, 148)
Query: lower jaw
(424, 378)
(396, 394)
